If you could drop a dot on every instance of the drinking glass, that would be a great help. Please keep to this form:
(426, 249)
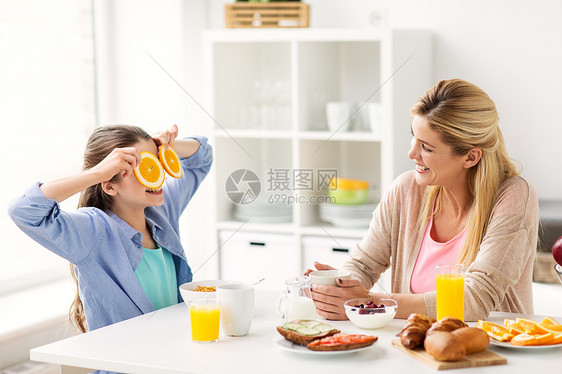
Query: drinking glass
(205, 318)
(449, 281)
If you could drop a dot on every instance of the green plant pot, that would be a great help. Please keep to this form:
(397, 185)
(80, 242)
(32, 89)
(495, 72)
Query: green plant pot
(348, 197)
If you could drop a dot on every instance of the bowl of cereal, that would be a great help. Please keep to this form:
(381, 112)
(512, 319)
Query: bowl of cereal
(198, 290)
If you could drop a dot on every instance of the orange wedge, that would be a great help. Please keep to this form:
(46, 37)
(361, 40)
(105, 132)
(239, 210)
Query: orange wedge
(527, 339)
(171, 162)
(551, 324)
(531, 327)
(495, 331)
(150, 172)
(513, 327)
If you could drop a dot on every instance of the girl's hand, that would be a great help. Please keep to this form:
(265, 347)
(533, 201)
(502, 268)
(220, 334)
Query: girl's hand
(166, 138)
(120, 160)
(329, 300)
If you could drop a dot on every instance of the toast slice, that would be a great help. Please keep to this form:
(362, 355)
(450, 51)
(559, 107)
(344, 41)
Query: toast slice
(304, 332)
(342, 342)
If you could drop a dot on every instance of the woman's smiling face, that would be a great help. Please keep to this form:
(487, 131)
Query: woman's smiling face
(436, 164)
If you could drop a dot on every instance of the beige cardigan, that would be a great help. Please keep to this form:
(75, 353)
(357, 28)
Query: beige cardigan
(500, 278)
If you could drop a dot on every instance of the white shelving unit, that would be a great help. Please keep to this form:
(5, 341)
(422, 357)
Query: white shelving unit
(267, 91)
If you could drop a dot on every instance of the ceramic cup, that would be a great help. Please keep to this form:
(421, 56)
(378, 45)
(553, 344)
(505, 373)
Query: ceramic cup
(327, 277)
(338, 115)
(374, 113)
(236, 302)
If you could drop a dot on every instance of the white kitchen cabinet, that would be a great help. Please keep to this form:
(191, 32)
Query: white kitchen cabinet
(267, 91)
(250, 256)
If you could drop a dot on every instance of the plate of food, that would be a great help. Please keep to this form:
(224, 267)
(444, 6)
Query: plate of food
(318, 338)
(289, 346)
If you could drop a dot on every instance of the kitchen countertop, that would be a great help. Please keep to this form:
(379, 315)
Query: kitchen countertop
(160, 342)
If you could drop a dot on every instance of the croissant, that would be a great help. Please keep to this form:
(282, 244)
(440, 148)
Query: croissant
(446, 324)
(413, 333)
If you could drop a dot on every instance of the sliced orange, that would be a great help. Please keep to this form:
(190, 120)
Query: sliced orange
(557, 339)
(512, 326)
(171, 162)
(150, 172)
(549, 322)
(527, 339)
(530, 327)
(495, 331)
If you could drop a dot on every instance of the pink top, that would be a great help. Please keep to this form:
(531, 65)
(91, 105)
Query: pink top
(433, 253)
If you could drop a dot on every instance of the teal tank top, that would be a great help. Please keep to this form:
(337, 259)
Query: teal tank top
(156, 274)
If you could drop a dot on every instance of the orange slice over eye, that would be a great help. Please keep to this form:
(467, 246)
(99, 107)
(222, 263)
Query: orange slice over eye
(171, 162)
(150, 172)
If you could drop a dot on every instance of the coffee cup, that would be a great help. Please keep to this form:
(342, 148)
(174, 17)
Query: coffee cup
(327, 277)
(236, 303)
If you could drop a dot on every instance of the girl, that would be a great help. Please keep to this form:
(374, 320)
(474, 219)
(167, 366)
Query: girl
(464, 202)
(123, 243)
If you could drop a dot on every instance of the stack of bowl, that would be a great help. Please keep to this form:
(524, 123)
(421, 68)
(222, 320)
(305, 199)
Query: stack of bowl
(258, 212)
(348, 206)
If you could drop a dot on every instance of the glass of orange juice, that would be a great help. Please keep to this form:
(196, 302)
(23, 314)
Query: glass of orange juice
(205, 318)
(449, 281)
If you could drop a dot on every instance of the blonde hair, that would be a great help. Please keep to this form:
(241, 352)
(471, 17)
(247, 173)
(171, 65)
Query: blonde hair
(100, 144)
(465, 117)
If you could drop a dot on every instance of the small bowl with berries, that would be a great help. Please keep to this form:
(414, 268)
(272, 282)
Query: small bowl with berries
(371, 312)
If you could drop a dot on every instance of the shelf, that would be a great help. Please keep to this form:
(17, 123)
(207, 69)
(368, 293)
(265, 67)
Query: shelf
(298, 35)
(253, 134)
(332, 231)
(352, 136)
(278, 228)
(269, 90)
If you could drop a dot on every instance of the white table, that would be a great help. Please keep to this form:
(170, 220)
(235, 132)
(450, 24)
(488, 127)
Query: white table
(160, 342)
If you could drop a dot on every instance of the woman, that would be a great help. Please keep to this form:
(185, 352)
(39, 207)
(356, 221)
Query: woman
(463, 203)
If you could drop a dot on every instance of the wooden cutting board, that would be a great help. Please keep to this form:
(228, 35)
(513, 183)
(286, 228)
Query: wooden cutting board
(484, 358)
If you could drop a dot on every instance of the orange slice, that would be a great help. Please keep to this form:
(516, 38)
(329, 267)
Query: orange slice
(150, 172)
(495, 331)
(513, 327)
(526, 339)
(549, 323)
(171, 162)
(531, 327)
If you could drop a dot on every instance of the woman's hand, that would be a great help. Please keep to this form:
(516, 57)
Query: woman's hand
(319, 266)
(329, 300)
(166, 138)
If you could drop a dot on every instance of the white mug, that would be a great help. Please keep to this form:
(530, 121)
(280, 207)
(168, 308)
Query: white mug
(236, 302)
(374, 111)
(338, 115)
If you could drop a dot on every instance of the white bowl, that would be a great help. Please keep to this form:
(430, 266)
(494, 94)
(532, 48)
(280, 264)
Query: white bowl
(327, 277)
(370, 318)
(188, 293)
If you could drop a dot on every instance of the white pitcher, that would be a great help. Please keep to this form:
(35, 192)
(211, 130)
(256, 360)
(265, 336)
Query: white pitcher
(296, 301)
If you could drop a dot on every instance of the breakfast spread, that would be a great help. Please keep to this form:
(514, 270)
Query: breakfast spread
(448, 339)
(318, 336)
(524, 332)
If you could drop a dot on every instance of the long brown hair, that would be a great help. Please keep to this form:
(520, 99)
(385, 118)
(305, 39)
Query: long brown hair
(100, 144)
(466, 118)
